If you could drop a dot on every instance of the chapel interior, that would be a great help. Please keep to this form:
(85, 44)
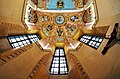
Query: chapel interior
(59, 39)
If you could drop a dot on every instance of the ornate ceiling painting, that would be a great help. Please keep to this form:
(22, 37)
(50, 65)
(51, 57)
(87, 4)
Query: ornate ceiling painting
(59, 21)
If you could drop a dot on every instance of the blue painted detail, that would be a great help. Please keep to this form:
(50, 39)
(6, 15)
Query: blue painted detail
(68, 5)
(60, 19)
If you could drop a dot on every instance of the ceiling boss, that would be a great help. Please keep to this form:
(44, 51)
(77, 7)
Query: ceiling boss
(60, 4)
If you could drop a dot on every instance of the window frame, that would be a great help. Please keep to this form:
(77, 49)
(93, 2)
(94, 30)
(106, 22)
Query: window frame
(91, 40)
(64, 62)
(23, 39)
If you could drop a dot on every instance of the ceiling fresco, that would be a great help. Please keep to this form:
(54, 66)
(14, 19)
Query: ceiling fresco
(60, 20)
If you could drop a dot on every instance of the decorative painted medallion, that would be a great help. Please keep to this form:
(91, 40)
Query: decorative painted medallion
(59, 19)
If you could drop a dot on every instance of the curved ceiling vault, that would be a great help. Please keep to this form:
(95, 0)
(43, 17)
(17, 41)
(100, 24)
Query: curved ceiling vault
(60, 20)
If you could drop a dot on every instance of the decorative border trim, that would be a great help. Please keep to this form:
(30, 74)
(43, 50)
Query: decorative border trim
(6, 58)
